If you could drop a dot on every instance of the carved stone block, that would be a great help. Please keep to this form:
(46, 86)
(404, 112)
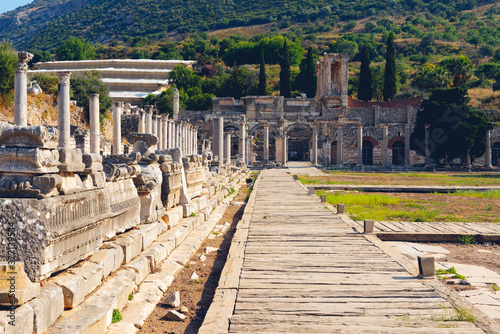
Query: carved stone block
(15, 286)
(71, 160)
(29, 160)
(29, 186)
(28, 136)
(93, 163)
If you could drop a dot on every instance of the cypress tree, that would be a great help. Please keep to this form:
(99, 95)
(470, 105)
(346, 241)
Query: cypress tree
(262, 76)
(365, 77)
(285, 83)
(390, 69)
(236, 82)
(310, 77)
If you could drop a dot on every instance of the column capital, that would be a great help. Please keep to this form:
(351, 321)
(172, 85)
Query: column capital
(359, 125)
(427, 126)
(24, 58)
(164, 117)
(385, 126)
(266, 126)
(64, 77)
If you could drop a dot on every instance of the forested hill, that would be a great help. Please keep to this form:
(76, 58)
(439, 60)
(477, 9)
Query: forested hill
(45, 24)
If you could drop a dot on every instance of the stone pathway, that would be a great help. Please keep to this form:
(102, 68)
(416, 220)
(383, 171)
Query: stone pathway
(305, 271)
(302, 167)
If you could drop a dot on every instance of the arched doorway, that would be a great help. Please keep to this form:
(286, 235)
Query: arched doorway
(398, 153)
(298, 139)
(367, 153)
(333, 153)
(495, 154)
(235, 137)
(258, 133)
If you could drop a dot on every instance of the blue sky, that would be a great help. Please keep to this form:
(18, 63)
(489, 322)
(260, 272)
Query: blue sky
(6, 5)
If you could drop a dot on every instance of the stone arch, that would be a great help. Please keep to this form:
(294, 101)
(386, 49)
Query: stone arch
(369, 139)
(234, 130)
(256, 127)
(303, 126)
(394, 140)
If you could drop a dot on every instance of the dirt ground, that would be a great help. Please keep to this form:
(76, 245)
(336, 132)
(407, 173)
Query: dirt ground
(417, 179)
(468, 254)
(197, 295)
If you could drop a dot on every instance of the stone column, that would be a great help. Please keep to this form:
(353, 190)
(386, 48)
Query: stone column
(64, 117)
(149, 121)
(407, 146)
(95, 140)
(249, 150)
(427, 148)
(315, 145)
(195, 140)
(266, 144)
(385, 134)
(218, 139)
(176, 104)
(243, 141)
(360, 144)
(159, 132)
(278, 142)
(285, 149)
(339, 145)
(142, 122)
(164, 120)
(227, 146)
(154, 126)
(117, 128)
(171, 129)
(21, 89)
(487, 154)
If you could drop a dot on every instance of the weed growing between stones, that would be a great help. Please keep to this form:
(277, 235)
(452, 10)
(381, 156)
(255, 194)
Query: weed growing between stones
(466, 239)
(117, 317)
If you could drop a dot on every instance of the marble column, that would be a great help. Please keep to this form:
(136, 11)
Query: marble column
(21, 89)
(117, 128)
(64, 117)
(427, 147)
(154, 126)
(315, 145)
(227, 146)
(385, 134)
(278, 143)
(266, 144)
(149, 121)
(407, 145)
(284, 151)
(171, 128)
(487, 154)
(243, 141)
(176, 104)
(195, 140)
(159, 132)
(142, 121)
(249, 150)
(339, 145)
(164, 120)
(95, 129)
(218, 139)
(360, 144)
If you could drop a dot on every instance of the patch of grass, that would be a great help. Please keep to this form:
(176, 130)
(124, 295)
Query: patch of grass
(492, 193)
(195, 281)
(216, 233)
(451, 270)
(489, 207)
(192, 214)
(130, 296)
(462, 277)
(466, 239)
(117, 317)
(231, 191)
(495, 287)
(186, 266)
(455, 314)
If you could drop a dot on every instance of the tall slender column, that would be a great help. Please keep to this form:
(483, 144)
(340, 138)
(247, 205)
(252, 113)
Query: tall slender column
(154, 126)
(339, 145)
(171, 128)
(176, 104)
(195, 140)
(149, 121)
(243, 142)
(227, 146)
(159, 132)
(407, 146)
(266, 143)
(285, 149)
(487, 154)
(427, 147)
(360, 144)
(21, 89)
(315, 145)
(142, 122)
(117, 128)
(218, 139)
(385, 134)
(95, 140)
(64, 117)
(249, 150)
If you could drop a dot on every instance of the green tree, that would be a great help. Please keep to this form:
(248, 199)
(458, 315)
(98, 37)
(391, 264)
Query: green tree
(430, 76)
(49, 83)
(345, 46)
(86, 83)
(285, 78)
(390, 70)
(455, 126)
(262, 76)
(460, 68)
(236, 82)
(474, 37)
(184, 78)
(310, 75)
(8, 65)
(75, 49)
(365, 77)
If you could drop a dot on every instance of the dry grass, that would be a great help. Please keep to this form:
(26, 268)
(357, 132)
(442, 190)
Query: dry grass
(484, 98)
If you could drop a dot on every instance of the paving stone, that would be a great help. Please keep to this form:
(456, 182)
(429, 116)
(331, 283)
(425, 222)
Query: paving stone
(23, 320)
(141, 265)
(25, 290)
(173, 299)
(149, 234)
(131, 244)
(175, 316)
(105, 259)
(81, 321)
(156, 254)
(47, 307)
(484, 299)
(117, 251)
(209, 249)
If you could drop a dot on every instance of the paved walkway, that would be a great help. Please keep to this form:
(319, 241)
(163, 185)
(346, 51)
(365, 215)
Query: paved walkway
(305, 271)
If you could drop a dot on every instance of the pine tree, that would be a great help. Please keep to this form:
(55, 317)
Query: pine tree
(365, 77)
(262, 76)
(310, 76)
(390, 70)
(285, 83)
